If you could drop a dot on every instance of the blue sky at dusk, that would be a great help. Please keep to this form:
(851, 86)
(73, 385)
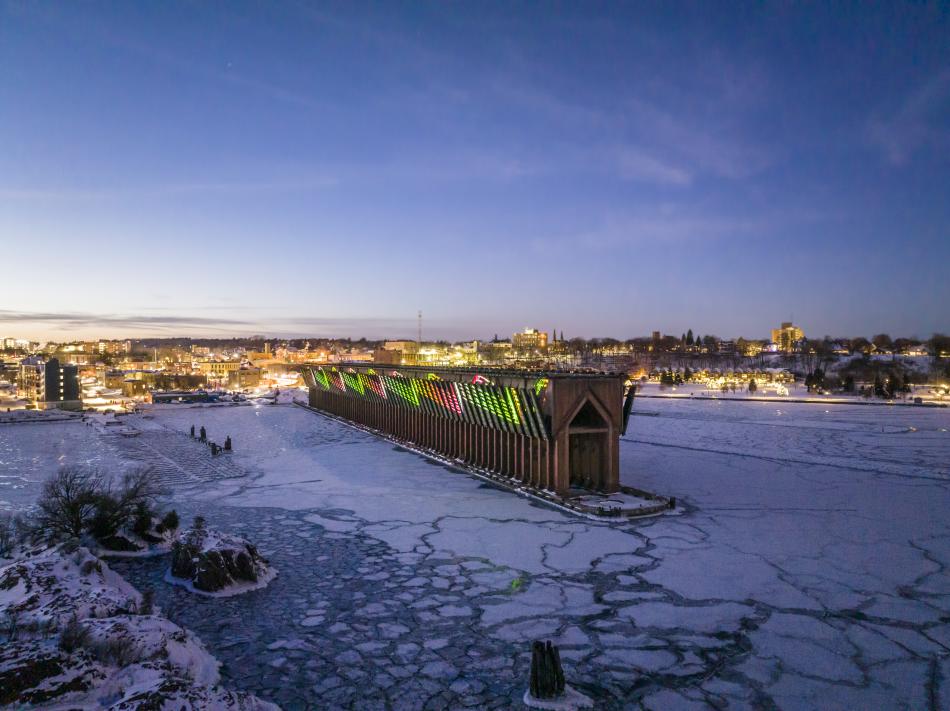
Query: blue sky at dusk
(317, 169)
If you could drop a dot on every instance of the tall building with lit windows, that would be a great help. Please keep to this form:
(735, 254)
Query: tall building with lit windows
(31, 381)
(531, 339)
(49, 383)
(787, 336)
(62, 383)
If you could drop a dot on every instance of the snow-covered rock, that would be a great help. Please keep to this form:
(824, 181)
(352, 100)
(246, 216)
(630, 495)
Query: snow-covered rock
(53, 584)
(73, 640)
(215, 563)
(157, 540)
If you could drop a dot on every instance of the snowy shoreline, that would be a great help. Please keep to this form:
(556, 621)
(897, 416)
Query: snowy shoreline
(230, 591)
(805, 401)
(80, 636)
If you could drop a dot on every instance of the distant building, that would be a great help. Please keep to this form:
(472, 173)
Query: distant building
(49, 384)
(218, 369)
(114, 347)
(31, 380)
(244, 378)
(531, 339)
(408, 352)
(9, 371)
(751, 348)
(352, 356)
(384, 356)
(788, 337)
(62, 385)
(135, 387)
(183, 397)
(76, 357)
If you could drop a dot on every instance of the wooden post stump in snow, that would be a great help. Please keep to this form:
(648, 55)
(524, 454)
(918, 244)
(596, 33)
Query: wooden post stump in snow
(546, 686)
(547, 676)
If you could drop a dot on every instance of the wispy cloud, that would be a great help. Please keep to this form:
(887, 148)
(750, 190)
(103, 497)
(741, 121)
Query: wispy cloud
(675, 225)
(64, 325)
(669, 139)
(701, 146)
(73, 320)
(184, 189)
(226, 73)
(922, 120)
(658, 228)
(634, 164)
(376, 327)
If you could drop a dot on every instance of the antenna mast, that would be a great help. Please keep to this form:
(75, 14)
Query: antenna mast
(420, 328)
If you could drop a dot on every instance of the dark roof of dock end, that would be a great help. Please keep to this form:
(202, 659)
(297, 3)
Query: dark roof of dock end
(479, 370)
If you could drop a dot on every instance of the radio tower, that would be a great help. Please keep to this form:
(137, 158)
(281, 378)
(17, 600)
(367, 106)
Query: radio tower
(420, 328)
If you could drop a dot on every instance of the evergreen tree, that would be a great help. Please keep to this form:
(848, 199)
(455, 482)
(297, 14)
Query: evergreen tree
(895, 384)
(687, 374)
(752, 386)
(689, 337)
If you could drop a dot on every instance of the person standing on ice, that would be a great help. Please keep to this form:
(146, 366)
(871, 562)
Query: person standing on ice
(227, 443)
(192, 431)
(203, 433)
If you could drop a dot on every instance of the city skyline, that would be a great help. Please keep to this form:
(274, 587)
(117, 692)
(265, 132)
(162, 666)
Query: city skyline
(404, 335)
(332, 171)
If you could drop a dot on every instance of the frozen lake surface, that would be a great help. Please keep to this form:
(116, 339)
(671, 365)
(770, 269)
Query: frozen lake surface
(806, 569)
(29, 452)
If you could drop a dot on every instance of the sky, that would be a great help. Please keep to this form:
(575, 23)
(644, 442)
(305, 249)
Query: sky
(603, 169)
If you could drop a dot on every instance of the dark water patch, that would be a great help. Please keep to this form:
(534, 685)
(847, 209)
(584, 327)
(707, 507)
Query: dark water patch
(344, 624)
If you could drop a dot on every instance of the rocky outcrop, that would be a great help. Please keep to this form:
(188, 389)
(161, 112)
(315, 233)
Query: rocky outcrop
(73, 638)
(215, 563)
(156, 539)
(51, 585)
(119, 544)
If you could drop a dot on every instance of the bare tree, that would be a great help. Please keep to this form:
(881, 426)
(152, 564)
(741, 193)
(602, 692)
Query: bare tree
(117, 506)
(68, 501)
(7, 535)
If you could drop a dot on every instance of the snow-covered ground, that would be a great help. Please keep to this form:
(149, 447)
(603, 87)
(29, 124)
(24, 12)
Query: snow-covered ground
(76, 636)
(29, 452)
(805, 569)
(828, 528)
(790, 392)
